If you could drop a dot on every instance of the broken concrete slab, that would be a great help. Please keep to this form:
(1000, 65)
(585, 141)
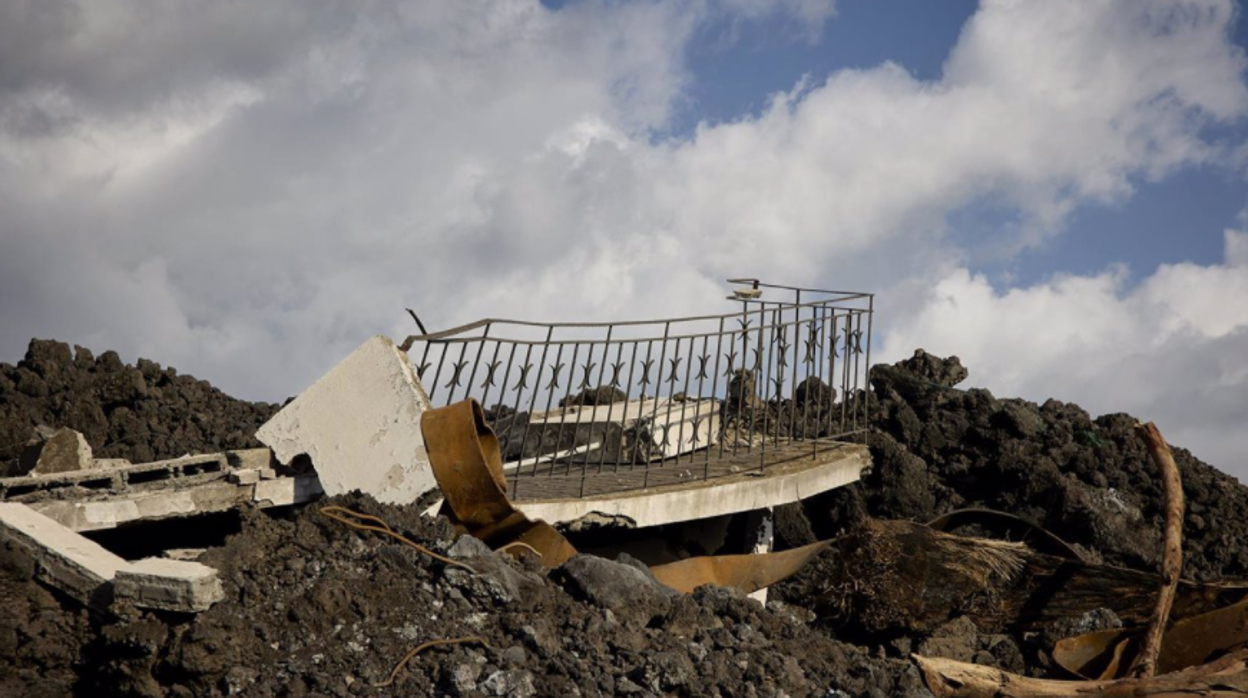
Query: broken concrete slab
(669, 427)
(168, 585)
(360, 426)
(250, 458)
(121, 508)
(65, 451)
(245, 477)
(80, 567)
(287, 490)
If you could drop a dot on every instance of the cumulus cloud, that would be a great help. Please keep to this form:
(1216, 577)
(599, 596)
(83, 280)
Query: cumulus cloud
(247, 194)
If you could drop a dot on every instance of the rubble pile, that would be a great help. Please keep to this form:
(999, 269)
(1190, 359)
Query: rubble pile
(938, 449)
(314, 607)
(141, 413)
(1089, 481)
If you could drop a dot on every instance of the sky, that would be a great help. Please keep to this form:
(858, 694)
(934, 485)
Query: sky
(1054, 191)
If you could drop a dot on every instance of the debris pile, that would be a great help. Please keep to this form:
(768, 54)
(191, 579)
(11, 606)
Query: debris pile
(1090, 481)
(347, 595)
(315, 608)
(140, 413)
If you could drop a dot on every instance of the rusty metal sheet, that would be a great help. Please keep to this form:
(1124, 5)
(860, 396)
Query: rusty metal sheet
(466, 461)
(748, 573)
(1189, 642)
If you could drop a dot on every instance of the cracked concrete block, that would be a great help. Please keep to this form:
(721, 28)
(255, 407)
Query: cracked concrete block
(360, 426)
(169, 585)
(67, 561)
(65, 451)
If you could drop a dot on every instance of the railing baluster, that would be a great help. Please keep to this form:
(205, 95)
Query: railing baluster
(534, 390)
(723, 406)
(866, 435)
(614, 384)
(632, 365)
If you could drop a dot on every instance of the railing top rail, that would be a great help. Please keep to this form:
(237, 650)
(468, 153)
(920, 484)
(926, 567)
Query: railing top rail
(841, 297)
(755, 283)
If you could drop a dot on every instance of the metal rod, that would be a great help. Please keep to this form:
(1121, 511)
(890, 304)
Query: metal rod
(472, 377)
(654, 414)
(866, 439)
(680, 435)
(615, 385)
(550, 396)
(602, 366)
(489, 379)
(632, 366)
(537, 385)
(723, 408)
(797, 341)
(563, 417)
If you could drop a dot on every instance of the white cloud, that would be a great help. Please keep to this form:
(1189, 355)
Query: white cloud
(248, 195)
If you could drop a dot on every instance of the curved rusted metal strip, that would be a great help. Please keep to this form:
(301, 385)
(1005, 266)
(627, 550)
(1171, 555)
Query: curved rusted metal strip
(1037, 538)
(748, 573)
(1189, 642)
(468, 465)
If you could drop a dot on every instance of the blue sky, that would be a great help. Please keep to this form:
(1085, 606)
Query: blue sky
(1050, 189)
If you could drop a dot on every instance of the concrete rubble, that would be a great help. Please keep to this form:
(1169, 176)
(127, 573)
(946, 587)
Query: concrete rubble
(360, 426)
(94, 576)
(103, 498)
(168, 585)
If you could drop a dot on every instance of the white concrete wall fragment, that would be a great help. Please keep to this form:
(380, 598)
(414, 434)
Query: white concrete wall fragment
(360, 426)
(169, 585)
(80, 567)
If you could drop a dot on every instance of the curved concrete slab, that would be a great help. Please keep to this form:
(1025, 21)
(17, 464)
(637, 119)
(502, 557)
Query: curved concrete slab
(782, 483)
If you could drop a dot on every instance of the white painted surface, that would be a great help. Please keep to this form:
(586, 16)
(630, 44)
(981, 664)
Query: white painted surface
(360, 425)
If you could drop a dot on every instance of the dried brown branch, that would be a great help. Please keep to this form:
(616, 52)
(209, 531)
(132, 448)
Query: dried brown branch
(947, 678)
(1172, 555)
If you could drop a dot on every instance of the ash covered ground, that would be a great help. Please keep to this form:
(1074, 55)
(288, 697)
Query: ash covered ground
(314, 608)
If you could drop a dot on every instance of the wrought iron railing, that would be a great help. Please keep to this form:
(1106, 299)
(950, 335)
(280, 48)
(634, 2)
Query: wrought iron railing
(691, 397)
